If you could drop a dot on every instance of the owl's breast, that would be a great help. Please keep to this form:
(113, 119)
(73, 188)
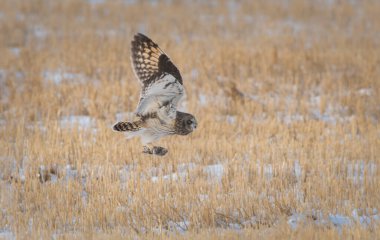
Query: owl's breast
(155, 129)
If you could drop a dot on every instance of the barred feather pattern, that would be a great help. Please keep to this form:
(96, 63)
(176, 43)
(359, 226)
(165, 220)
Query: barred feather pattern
(150, 62)
(161, 90)
(127, 126)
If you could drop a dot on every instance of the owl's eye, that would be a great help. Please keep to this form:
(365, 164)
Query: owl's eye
(189, 122)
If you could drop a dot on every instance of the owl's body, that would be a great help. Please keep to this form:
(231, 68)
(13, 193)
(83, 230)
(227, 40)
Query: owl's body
(162, 89)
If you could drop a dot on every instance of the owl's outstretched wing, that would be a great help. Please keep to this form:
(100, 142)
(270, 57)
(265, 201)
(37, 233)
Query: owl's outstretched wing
(161, 80)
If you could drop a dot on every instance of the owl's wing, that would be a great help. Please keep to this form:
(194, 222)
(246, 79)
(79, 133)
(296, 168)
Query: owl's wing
(161, 81)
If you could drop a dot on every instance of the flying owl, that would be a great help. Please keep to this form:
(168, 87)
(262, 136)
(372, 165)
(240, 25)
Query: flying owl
(161, 90)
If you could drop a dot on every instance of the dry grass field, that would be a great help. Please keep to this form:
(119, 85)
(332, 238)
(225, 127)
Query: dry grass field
(287, 97)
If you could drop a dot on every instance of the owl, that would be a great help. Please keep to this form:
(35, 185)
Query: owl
(156, 115)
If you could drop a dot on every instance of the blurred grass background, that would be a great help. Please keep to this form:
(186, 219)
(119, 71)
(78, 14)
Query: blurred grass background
(286, 94)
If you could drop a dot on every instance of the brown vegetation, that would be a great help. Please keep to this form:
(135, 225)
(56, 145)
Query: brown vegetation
(286, 94)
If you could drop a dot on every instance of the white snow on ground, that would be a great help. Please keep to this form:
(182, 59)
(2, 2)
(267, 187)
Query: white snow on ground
(202, 99)
(297, 169)
(3, 74)
(124, 175)
(340, 220)
(40, 32)
(71, 173)
(230, 119)
(6, 234)
(59, 76)
(268, 171)
(95, 2)
(180, 227)
(217, 100)
(21, 174)
(124, 116)
(4, 91)
(295, 219)
(80, 121)
(15, 51)
(366, 216)
(337, 220)
(172, 177)
(333, 112)
(194, 73)
(53, 178)
(365, 91)
(203, 197)
(214, 172)
(157, 173)
(356, 171)
(172, 227)
(289, 118)
(12, 164)
(129, 2)
(185, 167)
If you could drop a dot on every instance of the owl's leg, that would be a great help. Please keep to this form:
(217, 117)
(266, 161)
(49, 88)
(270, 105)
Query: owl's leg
(159, 151)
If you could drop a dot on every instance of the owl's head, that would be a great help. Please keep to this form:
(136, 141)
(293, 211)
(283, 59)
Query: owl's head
(185, 123)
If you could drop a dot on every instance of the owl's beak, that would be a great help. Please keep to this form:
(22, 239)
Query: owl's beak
(194, 125)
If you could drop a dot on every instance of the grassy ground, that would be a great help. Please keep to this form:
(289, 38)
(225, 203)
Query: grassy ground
(286, 95)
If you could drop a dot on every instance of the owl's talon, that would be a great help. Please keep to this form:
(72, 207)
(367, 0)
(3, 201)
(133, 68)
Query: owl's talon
(147, 150)
(159, 151)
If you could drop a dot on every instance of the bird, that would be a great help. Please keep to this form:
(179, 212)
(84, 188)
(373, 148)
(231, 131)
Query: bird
(156, 115)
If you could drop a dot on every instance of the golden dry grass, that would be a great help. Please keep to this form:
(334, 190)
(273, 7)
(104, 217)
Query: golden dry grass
(287, 98)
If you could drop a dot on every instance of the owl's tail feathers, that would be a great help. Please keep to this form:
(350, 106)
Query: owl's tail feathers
(127, 126)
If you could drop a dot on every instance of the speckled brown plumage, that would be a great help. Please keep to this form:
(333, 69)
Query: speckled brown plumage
(128, 126)
(183, 123)
(150, 62)
(161, 90)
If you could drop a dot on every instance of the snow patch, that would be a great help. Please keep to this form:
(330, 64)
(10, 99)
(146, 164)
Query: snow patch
(95, 2)
(15, 51)
(297, 170)
(180, 227)
(3, 74)
(340, 220)
(359, 170)
(194, 73)
(365, 92)
(123, 116)
(59, 76)
(181, 174)
(81, 122)
(71, 173)
(202, 99)
(268, 171)
(172, 177)
(39, 32)
(295, 219)
(7, 234)
(214, 172)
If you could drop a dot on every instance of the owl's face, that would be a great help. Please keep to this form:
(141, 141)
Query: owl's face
(190, 124)
(185, 123)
